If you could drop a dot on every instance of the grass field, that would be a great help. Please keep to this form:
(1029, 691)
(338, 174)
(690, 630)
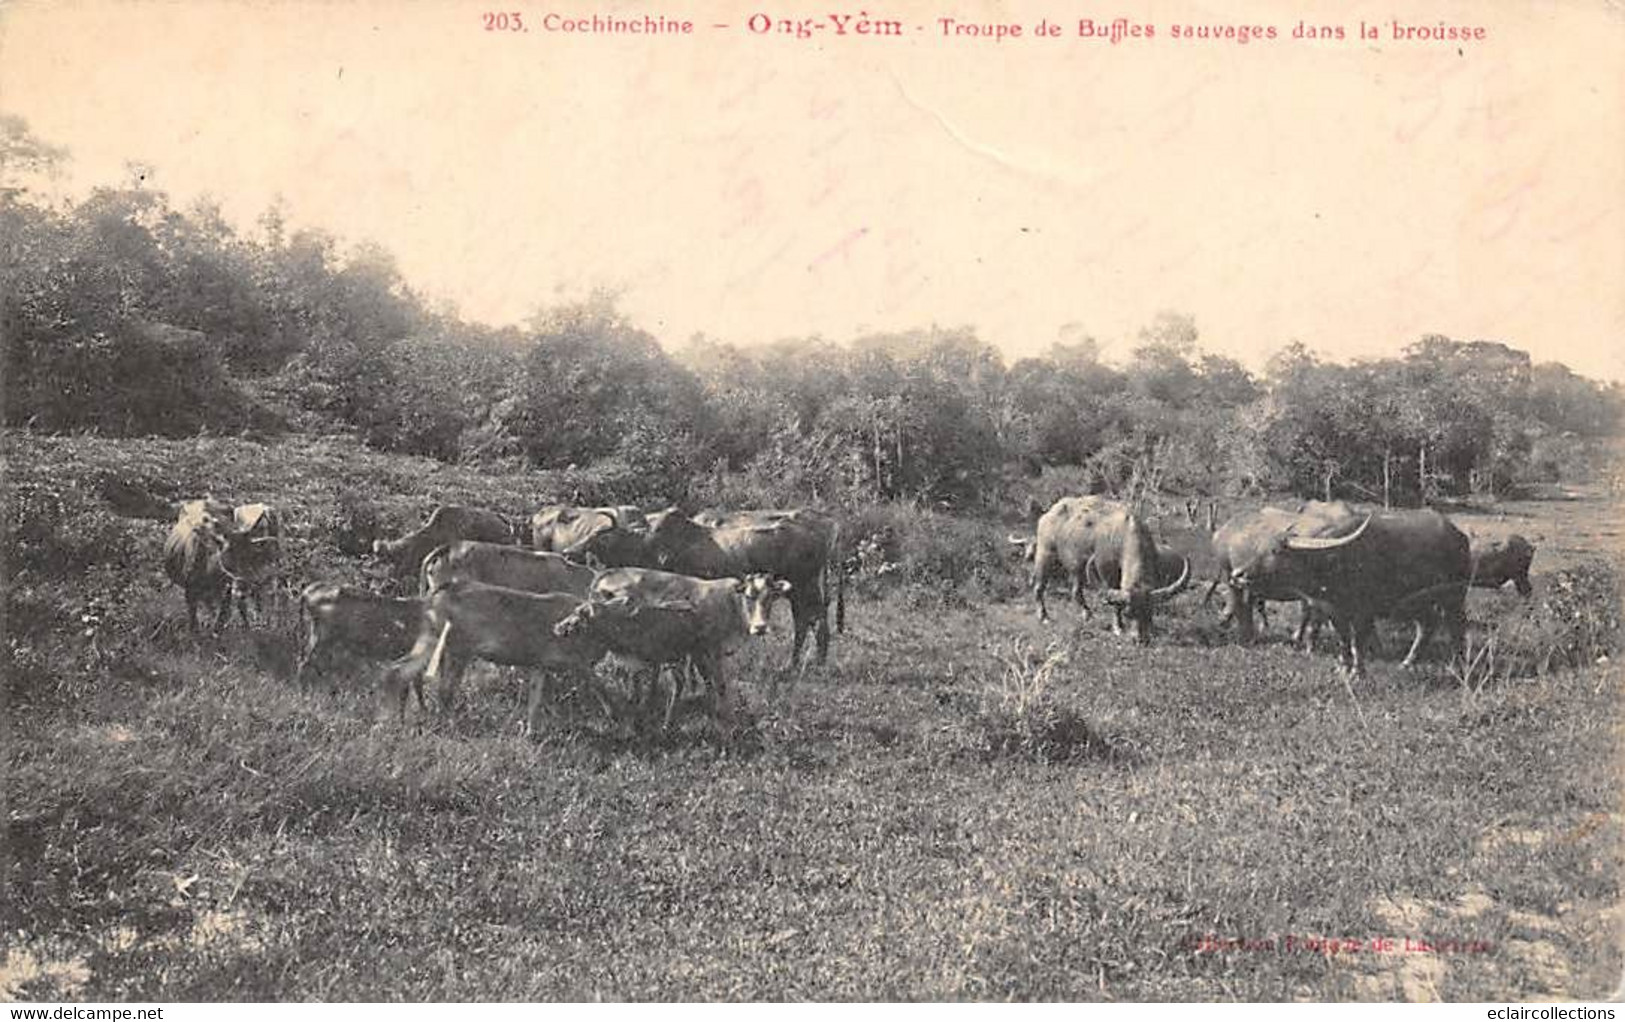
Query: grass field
(965, 804)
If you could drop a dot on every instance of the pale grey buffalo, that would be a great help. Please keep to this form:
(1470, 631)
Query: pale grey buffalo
(560, 527)
(1098, 541)
(497, 564)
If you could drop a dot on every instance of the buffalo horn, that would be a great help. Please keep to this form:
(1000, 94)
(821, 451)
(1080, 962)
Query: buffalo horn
(1170, 590)
(1326, 542)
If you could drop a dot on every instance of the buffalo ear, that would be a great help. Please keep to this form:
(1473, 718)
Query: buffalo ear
(740, 586)
(782, 586)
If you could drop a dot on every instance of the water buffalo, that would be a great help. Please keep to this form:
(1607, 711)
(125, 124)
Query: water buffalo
(448, 523)
(797, 546)
(1408, 565)
(1097, 540)
(344, 618)
(559, 527)
(463, 621)
(1246, 536)
(214, 561)
(1495, 563)
(659, 618)
(532, 571)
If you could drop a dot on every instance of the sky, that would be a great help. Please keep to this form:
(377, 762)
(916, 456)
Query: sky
(1354, 195)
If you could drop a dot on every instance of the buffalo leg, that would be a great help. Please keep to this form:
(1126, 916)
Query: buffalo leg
(1039, 580)
(301, 675)
(452, 677)
(405, 674)
(1309, 622)
(222, 617)
(1078, 598)
(1424, 624)
(710, 666)
(540, 690)
(1238, 607)
(801, 621)
(1359, 644)
(1345, 642)
(820, 609)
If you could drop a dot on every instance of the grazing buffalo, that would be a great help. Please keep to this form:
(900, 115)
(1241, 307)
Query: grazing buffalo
(1245, 537)
(797, 546)
(463, 621)
(1495, 563)
(559, 527)
(512, 567)
(1094, 539)
(214, 561)
(1408, 565)
(658, 618)
(447, 524)
(259, 572)
(344, 618)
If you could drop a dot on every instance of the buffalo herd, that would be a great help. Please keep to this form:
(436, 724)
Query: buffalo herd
(671, 590)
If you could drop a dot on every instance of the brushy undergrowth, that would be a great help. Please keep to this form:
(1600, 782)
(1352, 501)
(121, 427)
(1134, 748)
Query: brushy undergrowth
(964, 804)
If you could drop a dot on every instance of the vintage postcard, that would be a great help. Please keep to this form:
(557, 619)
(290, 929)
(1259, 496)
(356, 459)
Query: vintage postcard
(652, 500)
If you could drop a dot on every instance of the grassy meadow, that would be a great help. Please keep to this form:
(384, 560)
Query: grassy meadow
(964, 804)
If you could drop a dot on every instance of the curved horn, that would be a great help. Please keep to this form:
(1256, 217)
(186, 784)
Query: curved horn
(614, 522)
(1015, 540)
(1171, 590)
(1326, 542)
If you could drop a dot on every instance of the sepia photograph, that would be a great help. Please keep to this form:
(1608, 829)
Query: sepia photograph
(735, 501)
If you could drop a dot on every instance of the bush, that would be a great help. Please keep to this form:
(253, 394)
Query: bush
(1023, 715)
(1574, 622)
(948, 560)
(133, 379)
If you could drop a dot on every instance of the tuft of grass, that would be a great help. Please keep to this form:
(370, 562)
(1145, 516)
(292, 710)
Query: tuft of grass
(1024, 713)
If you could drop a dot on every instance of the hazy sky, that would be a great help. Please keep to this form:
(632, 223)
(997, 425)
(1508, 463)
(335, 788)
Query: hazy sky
(1353, 195)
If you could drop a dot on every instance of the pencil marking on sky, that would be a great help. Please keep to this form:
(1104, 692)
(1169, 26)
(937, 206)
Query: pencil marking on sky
(839, 248)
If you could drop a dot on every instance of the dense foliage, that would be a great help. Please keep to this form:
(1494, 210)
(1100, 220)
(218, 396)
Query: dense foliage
(125, 316)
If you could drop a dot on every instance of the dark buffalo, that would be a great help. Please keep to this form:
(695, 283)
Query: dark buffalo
(343, 618)
(797, 546)
(1408, 565)
(559, 527)
(532, 571)
(1495, 563)
(660, 618)
(1096, 540)
(215, 562)
(447, 524)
